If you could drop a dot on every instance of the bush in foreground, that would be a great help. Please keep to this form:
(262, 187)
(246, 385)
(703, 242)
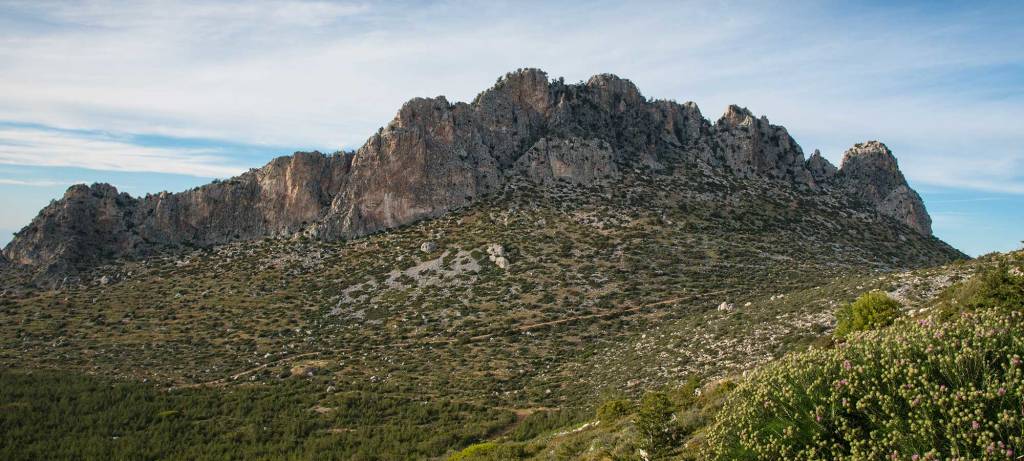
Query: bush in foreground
(916, 391)
(870, 311)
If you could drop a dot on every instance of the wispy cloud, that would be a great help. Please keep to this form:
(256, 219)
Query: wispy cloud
(63, 148)
(941, 84)
(33, 182)
(969, 200)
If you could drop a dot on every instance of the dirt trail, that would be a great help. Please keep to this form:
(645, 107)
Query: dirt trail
(225, 380)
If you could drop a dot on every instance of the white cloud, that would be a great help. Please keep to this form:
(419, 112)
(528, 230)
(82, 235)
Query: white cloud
(32, 182)
(327, 74)
(38, 147)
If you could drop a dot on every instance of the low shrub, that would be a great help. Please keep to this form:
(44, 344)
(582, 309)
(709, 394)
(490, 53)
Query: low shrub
(915, 391)
(655, 422)
(613, 410)
(489, 451)
(870, 311)
(1001, 286)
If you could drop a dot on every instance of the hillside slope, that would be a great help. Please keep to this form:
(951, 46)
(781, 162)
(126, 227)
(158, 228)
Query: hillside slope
(943, 381)
(584, 266)
(529, 253)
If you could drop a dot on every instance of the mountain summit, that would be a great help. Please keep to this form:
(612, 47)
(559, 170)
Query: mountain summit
(436, 156)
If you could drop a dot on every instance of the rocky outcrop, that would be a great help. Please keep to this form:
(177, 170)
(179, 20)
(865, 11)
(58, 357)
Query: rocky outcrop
(580, 161)
(436, 156)
(870, 172)
(752, 147)
(496, 254)
(93, 223)
(820, 169)
(82, 228)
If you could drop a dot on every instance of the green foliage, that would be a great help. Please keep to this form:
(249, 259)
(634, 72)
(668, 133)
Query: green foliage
(655, 421)
(544, 421)
(489, 451)
(614, 409)
(914, 391)
(51, 415)
(870, 311)
(1000, 286)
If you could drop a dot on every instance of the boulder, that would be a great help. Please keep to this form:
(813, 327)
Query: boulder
(304, 370)
(495, 250)
(428, 247)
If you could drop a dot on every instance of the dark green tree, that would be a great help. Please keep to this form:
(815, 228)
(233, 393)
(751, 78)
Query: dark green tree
(655, 420)
(871, 310)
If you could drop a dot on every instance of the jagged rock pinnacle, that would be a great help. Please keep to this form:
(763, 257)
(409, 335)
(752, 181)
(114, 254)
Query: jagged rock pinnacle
(872, 174)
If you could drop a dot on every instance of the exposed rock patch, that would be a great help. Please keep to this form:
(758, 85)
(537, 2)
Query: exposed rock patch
(575, 160)
(496, 253)
(869, 171)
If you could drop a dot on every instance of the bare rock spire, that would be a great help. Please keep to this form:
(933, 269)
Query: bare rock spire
(870, 172)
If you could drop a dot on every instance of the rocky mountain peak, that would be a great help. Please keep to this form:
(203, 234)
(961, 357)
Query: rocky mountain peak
(611, 88)
(871, 173)
(435, 156)
(753, 147)
(736, 116)
(870, 155)
(524, 89)
(97, 190)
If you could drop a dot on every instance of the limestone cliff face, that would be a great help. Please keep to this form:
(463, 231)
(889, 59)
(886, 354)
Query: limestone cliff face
(92, 223)
(869, 171)
(581, 161)
(435, 156)
(753, 147)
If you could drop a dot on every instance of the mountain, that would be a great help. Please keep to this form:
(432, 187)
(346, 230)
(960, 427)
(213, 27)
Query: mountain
(476, 271)
(436, 156)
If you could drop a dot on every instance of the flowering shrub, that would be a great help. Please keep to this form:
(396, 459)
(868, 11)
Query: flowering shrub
(871, 310)
(916, 391)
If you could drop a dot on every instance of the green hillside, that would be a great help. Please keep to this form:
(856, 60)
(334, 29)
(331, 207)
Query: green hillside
(606, 291)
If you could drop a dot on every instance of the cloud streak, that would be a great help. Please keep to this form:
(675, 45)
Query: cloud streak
(57, 148)
(941, 85)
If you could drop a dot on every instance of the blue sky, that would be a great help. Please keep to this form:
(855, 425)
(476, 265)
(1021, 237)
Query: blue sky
(153, 95)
